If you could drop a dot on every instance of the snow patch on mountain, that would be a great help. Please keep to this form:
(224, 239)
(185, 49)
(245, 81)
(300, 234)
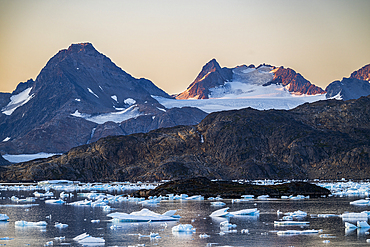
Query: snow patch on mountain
(6, 139)
(114, 97)
(117, 117)
(17, 101)
(129, 101)
(92, 92)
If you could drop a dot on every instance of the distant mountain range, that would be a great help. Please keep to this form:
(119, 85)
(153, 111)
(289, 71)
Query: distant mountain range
(81, 96)
(326, 140)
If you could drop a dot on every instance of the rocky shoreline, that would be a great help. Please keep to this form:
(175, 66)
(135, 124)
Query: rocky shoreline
(231, 190)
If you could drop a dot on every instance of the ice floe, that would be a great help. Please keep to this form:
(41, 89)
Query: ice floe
(297, 232)
(144, 215)
(31, 224)
(291, 223)
(86, 239)
(183, 228)
(4, 217)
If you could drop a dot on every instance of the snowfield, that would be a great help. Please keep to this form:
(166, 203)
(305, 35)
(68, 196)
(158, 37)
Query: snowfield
(17, 101)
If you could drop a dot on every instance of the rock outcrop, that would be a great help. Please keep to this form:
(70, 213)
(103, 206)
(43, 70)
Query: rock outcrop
(325, 140)
(227, 189)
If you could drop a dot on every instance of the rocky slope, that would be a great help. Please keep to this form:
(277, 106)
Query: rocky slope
(326, 139)
(354, 87)
(78, 97)
(214, 82)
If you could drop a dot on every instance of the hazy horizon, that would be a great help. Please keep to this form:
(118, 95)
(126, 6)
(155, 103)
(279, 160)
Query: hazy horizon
(168, 42)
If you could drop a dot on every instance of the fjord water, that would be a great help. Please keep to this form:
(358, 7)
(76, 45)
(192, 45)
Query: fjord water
(262, 231)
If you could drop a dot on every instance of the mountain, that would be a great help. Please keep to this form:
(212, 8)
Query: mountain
(78, 92)
(247, 81)
(354, 87)
(326, 140)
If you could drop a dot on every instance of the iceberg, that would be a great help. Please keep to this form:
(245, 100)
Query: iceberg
(4, 217)
(251, 211)
(183, 228)
(55, 201)
(362, 202)
(218, 204)
(60, 225)
(354, 216)
(143, 216)
(86, 239)
(362, 224)
(296, 214)
(296, 232)
(291, 223)
(348, 225)
(220, 213)
(31, 224)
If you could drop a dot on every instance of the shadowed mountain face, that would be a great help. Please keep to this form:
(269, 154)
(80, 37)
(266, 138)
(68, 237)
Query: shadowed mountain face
(78, 90)
(326, 140)
(354, 87)
(212, 76)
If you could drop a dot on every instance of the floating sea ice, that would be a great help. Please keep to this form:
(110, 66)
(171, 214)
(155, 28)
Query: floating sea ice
(291, 223)
(297, 214)
(218, 204)
(251, 211)
(354, 216)
(26, 223)
(362, 202)
(220, 213)
(81, 203)
(6, 238)
(60, 225)
(46, 194)
(60, 238)
(288, 218)
(226, 224)
(296, 232)
(326, 241)
(95, 221)
(348, 225)
(204, 235)
(86, 239)
(4, 217)
(195, 198)
(49, 243)
(362, 224)
(183, 228)
(55, 201)
(244, 231)
(144, 215)
(263, 197)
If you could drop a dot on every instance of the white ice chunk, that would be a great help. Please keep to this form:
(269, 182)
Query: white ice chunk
(204, 235)
(291, 223)
(60, 225)
(220, 213)
(250, 211)
(17, 101)
(354, 216)
(348, 225)
(360, 202)
(86, 239)
(77, 99)
(143, 216)
(296, 232)
(31, 224)
(218, 204)
(183, 228)
(362, 224)
(4, 217)
(161, 109)
(55, 201)
(195, 198)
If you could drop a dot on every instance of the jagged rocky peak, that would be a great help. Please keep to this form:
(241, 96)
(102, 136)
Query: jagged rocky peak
(354, 87)
(211, 75)
(362, 74)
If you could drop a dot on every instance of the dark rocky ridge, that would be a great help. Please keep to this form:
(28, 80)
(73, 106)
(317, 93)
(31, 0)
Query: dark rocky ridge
(326, 140)
(227, 189)
(362, 74)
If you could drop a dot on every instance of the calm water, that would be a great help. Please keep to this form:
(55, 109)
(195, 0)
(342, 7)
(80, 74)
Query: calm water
(262, 231)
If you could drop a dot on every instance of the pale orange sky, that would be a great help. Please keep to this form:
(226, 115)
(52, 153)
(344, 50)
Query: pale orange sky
(169, 41)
